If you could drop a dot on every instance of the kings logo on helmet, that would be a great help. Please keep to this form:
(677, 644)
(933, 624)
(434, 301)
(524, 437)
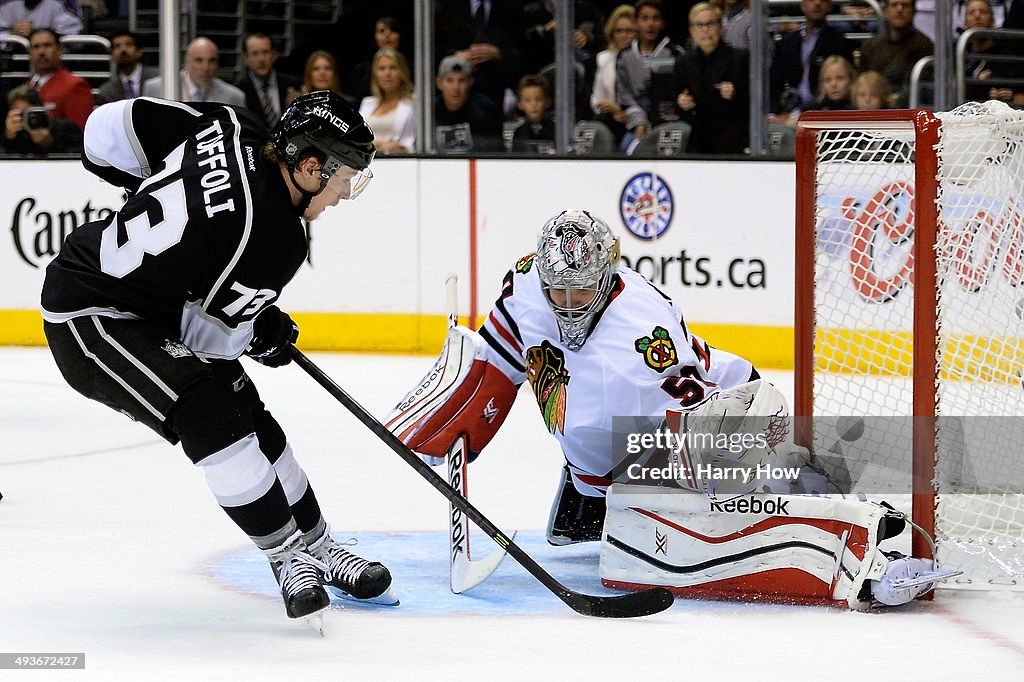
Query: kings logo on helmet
(646, 206)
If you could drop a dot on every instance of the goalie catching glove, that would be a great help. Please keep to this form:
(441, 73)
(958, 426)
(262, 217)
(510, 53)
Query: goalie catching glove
(727, 443)
(272, 332)
(461, 394)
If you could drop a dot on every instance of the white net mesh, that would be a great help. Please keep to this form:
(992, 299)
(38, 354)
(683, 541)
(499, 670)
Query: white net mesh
(864, 291)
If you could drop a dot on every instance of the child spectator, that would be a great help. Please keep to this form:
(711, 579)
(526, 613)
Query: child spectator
(834, 85)
(871, 91)
(537, 133)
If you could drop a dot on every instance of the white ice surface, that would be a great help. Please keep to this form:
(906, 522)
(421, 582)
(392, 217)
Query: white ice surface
(109, 539)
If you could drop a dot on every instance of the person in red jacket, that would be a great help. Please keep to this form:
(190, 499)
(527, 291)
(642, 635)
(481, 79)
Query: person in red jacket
(65, 94)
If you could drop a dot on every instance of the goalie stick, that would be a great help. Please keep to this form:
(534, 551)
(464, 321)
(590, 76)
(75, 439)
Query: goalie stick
(464, 573)
(635, 604)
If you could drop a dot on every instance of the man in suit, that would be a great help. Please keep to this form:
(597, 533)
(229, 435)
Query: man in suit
(799, 55)
(489, 34)
(199, 82)
(130, 74)
(267, 92)
(66, 95)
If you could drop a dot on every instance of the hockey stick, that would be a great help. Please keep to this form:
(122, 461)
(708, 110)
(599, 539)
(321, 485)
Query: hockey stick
(645, 603)
(464, 573)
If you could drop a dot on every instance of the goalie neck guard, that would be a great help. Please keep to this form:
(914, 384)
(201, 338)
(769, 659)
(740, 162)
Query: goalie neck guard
(576, 257)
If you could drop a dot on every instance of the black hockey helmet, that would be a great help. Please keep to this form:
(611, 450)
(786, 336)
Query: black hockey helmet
(323, 121)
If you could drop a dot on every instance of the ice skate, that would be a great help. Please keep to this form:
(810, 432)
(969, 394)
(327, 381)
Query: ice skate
(906, 579)
(574, 517)
(298, 574)
(350, 576)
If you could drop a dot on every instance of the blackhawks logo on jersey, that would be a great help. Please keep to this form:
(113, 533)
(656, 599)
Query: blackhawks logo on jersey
(524, 264)
(658, 350)
(545, 368)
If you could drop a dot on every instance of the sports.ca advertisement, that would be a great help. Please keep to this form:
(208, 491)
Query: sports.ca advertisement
(716, 237)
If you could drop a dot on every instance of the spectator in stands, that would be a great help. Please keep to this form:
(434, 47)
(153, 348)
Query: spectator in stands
(129, 73)
(536, 135)
(859, 17)
(835, 81)
(735, 22)
(712, 80)
(896, 47)
(488, 34)
(539, 43)
(620, 32)
(387, 33)
(647, 99)
(464, 120)
(69, 96)
(390, 110)
(199, 82)
(21, 17)
(871, 91)
(321, 73)
(267, 91)
(28, 129)
(799, 56)
(980, 66)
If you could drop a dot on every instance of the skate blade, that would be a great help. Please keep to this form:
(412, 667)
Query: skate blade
(925, 578)
(385, 598)
(315, 621)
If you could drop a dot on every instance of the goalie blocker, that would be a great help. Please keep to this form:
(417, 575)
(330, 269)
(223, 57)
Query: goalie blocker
(792, 549)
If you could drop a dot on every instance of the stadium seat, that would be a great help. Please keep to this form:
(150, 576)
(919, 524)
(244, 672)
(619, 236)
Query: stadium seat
(665, 139)
(592, 137)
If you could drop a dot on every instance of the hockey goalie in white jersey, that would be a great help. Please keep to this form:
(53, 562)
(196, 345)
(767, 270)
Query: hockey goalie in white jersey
(598, 342)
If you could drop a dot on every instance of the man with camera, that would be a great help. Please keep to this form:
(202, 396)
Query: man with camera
(28, 128)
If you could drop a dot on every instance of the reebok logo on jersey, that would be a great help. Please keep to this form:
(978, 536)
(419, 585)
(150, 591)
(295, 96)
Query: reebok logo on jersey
(752, 505)
(490, 411)
(250, 158)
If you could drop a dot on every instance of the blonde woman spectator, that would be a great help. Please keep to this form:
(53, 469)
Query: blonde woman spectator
(871, 91)
(834, 85)
(620, 30)
(389, 110)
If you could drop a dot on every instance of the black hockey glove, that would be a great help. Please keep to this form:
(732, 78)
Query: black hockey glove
(272, 332)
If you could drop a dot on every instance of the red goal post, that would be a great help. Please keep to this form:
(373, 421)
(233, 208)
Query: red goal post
(910, 314)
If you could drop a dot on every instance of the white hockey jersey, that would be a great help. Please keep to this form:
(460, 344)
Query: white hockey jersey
(639, 361)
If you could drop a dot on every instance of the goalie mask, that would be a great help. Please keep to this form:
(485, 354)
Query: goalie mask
(576, 257)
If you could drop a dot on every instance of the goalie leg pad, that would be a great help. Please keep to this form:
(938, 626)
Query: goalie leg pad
(461, 394)
(779, 548)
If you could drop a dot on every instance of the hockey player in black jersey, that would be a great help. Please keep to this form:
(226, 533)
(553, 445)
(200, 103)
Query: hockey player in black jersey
(148, 310)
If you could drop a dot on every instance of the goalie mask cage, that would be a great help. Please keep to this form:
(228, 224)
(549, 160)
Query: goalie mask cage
(910, 315)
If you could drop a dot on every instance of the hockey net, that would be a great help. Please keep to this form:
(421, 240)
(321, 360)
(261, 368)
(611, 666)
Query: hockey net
(910, 321)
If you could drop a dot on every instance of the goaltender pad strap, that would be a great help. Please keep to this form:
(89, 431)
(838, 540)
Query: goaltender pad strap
(780, 548)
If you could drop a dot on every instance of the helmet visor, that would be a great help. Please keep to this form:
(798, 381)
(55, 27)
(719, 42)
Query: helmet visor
(347, 183)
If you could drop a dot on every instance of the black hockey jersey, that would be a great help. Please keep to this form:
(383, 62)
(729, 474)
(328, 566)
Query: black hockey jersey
(206, 241)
